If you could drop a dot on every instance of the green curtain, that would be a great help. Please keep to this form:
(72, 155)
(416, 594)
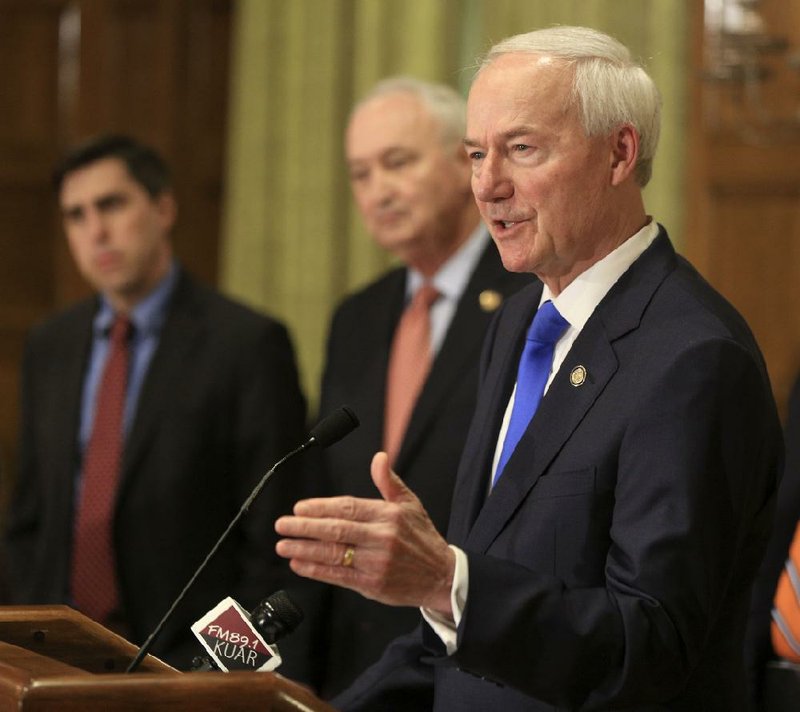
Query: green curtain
(292, 242)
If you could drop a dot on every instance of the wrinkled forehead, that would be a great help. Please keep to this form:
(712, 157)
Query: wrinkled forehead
(397, 119)
(521, 84)
(523, 73)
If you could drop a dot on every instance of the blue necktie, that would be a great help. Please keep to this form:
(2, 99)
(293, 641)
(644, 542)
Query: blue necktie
(545, 330)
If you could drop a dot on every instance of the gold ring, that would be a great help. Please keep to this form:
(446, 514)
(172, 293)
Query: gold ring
(349, 553)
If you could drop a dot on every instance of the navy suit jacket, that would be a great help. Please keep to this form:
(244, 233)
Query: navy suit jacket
(611, 565)
(220, 403)
(355, 629)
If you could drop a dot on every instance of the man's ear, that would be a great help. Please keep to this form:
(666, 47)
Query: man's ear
(167, 209)
(624, 153)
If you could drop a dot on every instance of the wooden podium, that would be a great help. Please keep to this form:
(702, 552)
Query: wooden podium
(54, 658)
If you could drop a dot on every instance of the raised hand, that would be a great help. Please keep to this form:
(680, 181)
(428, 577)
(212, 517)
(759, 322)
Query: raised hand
(385, 549)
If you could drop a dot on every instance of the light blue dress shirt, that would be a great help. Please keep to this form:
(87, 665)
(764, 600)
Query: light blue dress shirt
(147, 317)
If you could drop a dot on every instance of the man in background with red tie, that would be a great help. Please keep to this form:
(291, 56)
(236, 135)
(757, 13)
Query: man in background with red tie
(149, 413)
(404, 351)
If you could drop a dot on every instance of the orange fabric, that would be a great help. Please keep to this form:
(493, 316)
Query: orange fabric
(785, 628)
(94, 582)
(409, 363)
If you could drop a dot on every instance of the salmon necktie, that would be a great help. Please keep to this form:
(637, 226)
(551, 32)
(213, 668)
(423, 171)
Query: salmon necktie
(409, 363)
(94, 580)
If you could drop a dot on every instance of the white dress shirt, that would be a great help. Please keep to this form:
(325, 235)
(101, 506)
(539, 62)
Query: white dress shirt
(450, 281)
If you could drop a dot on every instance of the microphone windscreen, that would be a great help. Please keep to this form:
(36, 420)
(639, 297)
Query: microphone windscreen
(334, 427)
(276, 616)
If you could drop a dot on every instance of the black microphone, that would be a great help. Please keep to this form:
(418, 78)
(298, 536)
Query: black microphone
(236, 640)
(328, 431)
(334, 427)
(276, 616)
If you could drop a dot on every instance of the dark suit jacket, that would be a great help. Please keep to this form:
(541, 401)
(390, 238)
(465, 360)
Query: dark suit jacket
(758, 644)
(219, 405)
(357, 360)
(610, 568)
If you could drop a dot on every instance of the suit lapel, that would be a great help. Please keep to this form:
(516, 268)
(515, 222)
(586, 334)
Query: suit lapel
(564, 406)
(506, 338)
(178, 341)
(373, 379)
(560, 412)
(75, 356)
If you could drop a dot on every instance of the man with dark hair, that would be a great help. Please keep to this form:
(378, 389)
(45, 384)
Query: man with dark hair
(144, 165)
(148, 414)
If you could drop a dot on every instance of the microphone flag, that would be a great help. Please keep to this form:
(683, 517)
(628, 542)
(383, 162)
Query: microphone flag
(232, 641)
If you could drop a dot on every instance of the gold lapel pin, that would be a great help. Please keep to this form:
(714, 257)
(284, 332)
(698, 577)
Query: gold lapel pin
(578, 376)
(489, 300)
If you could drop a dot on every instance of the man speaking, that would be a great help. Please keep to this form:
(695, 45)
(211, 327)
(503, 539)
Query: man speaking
(615, 494)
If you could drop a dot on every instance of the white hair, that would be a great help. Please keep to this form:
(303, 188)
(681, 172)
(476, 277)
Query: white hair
(610, 88)
(441, 101)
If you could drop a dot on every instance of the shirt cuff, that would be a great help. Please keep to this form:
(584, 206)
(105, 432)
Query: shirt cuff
(446, 629)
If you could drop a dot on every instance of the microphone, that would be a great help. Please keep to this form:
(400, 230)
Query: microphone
(276, 616)
(236, 641)
(334, 427)
(328, 431)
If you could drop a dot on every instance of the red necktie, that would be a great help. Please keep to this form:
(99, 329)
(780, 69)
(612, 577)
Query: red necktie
(94, 581)
(786, 612)
(409, 363)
